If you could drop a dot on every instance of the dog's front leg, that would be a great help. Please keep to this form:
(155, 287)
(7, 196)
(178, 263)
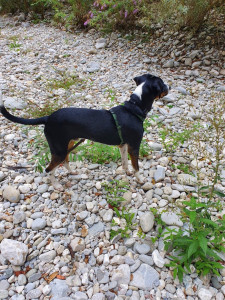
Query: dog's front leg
(134, 154)
(124, 159)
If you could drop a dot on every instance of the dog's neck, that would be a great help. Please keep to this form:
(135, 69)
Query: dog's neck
(134, 99)
(135, 106)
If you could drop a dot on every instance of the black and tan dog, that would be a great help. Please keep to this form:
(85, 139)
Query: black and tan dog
(122, 125)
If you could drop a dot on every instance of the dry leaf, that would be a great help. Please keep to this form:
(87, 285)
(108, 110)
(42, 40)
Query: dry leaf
(86, 259)
(17, 273)
(51, 277)
(61, 277)
(84, 231)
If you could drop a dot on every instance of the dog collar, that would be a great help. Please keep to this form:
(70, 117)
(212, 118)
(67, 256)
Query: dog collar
(117, 126)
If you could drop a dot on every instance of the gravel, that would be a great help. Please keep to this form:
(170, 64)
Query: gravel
(56, 244)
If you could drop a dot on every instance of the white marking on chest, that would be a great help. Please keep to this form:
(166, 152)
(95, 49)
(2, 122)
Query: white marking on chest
(138, 90)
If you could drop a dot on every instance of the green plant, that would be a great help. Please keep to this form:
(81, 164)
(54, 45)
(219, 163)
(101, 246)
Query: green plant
(126, 224)
(172, 140)
(114, 191)
(41, 155)
(96, 153)
(109, 15)
(112, 96)
(183, 167)
(65, 81)
(188, 13)
(14, 44)
(200, 244)
(47, 109)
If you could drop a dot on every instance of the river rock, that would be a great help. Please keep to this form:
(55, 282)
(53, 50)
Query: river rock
(15, 252)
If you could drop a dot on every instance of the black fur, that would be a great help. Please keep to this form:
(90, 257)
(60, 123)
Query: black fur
(68, 124)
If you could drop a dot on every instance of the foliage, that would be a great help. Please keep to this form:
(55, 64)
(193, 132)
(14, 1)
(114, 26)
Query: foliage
(13, 6)
(109, 15)
(114, 196)
(65, 81)
(200, 244)
(114, 191)
(126, 223)
(41, 153)
(188, 13)
(78, 11)
(172, 140)
(183, 167)
(47, 109)
(96, 153)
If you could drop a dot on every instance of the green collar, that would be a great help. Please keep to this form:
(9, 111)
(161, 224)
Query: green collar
(140, 117)
(118, 127)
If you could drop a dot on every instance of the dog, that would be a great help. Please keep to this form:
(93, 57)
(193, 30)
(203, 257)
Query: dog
(122, 126)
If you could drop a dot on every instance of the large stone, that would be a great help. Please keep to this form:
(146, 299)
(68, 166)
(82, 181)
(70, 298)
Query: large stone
(34, 294)
(159, 174)
(48, 256)
(93, 67)
(18, 217)
(77, 244)
(158, 259)
(169, 64)
(38, 224)
(15, 252)
(11, 194)
(96, 228)
(121, 274)
(147, 221)
(205, 294)
(170, 218)
(11, 102)
(59, 288)
(4, 294)
(186, 179)
(145, 278)
(98, 296)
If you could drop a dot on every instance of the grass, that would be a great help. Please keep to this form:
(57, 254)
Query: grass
(65, 81)
(14, 44)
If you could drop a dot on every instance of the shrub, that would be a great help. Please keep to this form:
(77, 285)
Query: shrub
(14, 6)
(109, 15)
(190, 13)
(79, 11)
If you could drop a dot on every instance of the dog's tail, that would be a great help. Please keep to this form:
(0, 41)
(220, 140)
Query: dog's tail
(23, 121)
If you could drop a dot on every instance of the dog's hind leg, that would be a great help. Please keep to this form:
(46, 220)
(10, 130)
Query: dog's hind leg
(134, 154)
(71, 147)
(66, 162)
(124, 159)
(55, 161)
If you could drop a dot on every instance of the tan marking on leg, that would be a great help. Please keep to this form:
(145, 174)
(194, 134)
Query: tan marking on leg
(134, 161)
(55, 161)
(66, 162)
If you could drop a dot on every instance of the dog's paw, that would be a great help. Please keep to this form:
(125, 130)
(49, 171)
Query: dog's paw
(128, 172)
(140, 179)
(57, 186)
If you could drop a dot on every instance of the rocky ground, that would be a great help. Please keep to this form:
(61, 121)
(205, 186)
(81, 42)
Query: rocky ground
(56, 245)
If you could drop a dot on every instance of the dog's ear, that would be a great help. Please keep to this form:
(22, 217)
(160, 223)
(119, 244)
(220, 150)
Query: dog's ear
(137, 80)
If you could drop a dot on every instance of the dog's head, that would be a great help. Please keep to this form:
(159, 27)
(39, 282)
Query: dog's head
(150, 88)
